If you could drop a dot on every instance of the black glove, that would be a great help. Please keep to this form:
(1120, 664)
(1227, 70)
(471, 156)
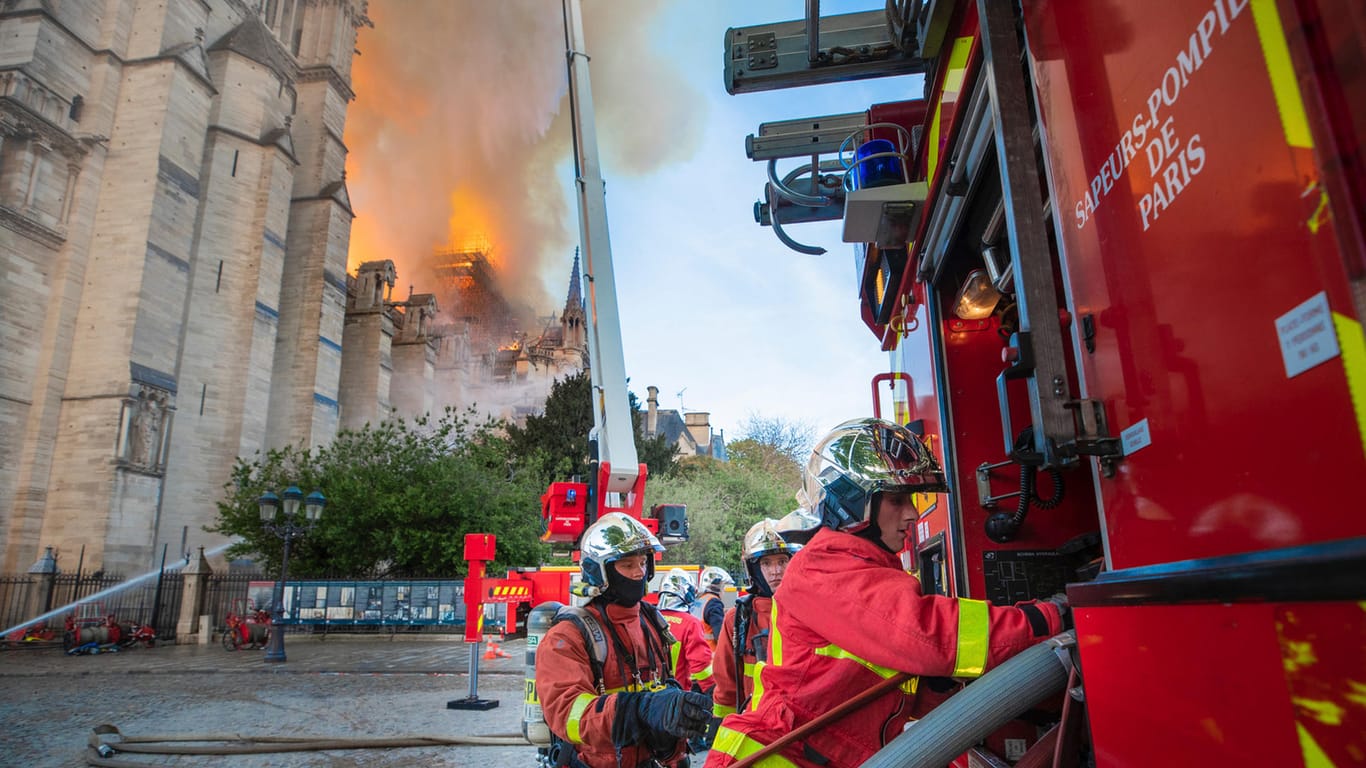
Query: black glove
(1059, 601)
(703, 743)
(678, 713)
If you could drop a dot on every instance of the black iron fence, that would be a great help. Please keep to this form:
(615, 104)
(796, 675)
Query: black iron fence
(229, 593)
(153, 600)
(37, 602)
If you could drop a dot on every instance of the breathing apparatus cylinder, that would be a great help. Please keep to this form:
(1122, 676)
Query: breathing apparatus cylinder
(534, 727)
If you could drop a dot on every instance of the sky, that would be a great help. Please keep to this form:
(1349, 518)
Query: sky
(458, 135)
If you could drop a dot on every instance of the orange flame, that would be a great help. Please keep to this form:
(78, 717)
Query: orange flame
(459, 124)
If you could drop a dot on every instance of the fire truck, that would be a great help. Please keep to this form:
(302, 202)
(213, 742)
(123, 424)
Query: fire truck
(1115, 253)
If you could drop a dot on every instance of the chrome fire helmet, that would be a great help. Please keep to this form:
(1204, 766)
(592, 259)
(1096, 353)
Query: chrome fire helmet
(763, 539)
(676, 591)
(799, 525)
(714, 579)
(862, 458)
(611, 538)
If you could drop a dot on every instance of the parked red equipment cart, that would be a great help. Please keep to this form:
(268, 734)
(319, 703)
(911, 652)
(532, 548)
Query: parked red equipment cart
(246, 626)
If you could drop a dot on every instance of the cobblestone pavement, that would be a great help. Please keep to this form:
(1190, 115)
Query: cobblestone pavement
(337, 687)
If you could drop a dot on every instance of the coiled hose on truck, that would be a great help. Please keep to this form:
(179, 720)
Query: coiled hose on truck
(974, 712)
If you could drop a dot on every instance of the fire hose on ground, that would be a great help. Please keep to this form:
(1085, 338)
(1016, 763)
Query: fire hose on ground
(106, 741)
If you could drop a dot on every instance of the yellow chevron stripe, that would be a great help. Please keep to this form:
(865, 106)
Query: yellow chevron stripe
(1282, 73)
(953, 82)
(1353, 345)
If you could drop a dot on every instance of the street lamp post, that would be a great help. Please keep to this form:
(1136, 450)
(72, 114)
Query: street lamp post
(287, 528)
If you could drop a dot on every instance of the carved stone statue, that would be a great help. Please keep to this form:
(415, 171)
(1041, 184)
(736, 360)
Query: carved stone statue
(145, 429)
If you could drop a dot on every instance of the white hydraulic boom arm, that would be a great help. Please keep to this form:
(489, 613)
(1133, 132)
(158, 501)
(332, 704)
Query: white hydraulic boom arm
(611, 412)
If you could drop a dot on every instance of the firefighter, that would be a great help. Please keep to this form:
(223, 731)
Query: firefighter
(612, 701)
(711, 609)
(849, 617)
(744, 633)
(691, 656)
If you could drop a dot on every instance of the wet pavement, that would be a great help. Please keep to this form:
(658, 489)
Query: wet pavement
(340, 686)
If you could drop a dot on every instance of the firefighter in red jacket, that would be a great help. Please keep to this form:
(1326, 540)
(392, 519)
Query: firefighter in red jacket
(848, 616)
(710, 608)
(691, 656)
(743, 647)
(626, 711)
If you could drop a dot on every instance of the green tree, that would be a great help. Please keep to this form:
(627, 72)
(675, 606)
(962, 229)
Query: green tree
(400, 498)
(555, 442)
(724, 499)
(766, 459)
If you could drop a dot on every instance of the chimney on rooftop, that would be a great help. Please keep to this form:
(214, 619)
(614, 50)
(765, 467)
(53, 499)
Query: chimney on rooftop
(699, 426)
(651, 411)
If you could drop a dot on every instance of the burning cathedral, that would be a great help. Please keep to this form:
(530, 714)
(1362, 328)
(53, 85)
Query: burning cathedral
(464, 345)
(174, 233)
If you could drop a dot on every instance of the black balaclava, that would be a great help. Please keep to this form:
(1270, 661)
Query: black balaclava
(872, 531)
(758, 585)
(623, 591)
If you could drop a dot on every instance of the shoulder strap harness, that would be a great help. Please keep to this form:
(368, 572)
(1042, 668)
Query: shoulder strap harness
(595, 637)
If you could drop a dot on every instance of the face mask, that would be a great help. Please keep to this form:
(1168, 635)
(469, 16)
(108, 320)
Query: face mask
(626, 592)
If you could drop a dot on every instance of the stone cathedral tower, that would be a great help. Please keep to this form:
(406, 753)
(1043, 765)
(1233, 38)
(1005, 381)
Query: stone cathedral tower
(174, 225)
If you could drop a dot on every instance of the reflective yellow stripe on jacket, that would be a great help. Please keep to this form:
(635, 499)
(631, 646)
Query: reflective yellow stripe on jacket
(571, 725)
(754, 671)
(835, 652)
(973, 623)
(674, 651)
(740, 746)
(581, 704)
(775, 639)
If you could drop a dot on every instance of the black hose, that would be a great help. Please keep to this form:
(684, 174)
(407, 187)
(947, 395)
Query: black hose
(981, 708)
(1002, 527)
(1053, 501)
(1026, 494)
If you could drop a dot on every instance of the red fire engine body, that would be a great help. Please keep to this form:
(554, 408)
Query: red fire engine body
(1123, 269)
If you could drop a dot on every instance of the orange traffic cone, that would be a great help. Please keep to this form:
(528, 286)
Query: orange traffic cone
(494, 652)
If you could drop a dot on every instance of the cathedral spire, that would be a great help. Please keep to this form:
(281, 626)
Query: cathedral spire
(573, 326)
(575, 298)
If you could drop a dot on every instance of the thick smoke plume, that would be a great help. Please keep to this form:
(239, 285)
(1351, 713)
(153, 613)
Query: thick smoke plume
(460, 123)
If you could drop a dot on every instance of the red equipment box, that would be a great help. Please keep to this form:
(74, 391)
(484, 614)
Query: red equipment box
(564, 506)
